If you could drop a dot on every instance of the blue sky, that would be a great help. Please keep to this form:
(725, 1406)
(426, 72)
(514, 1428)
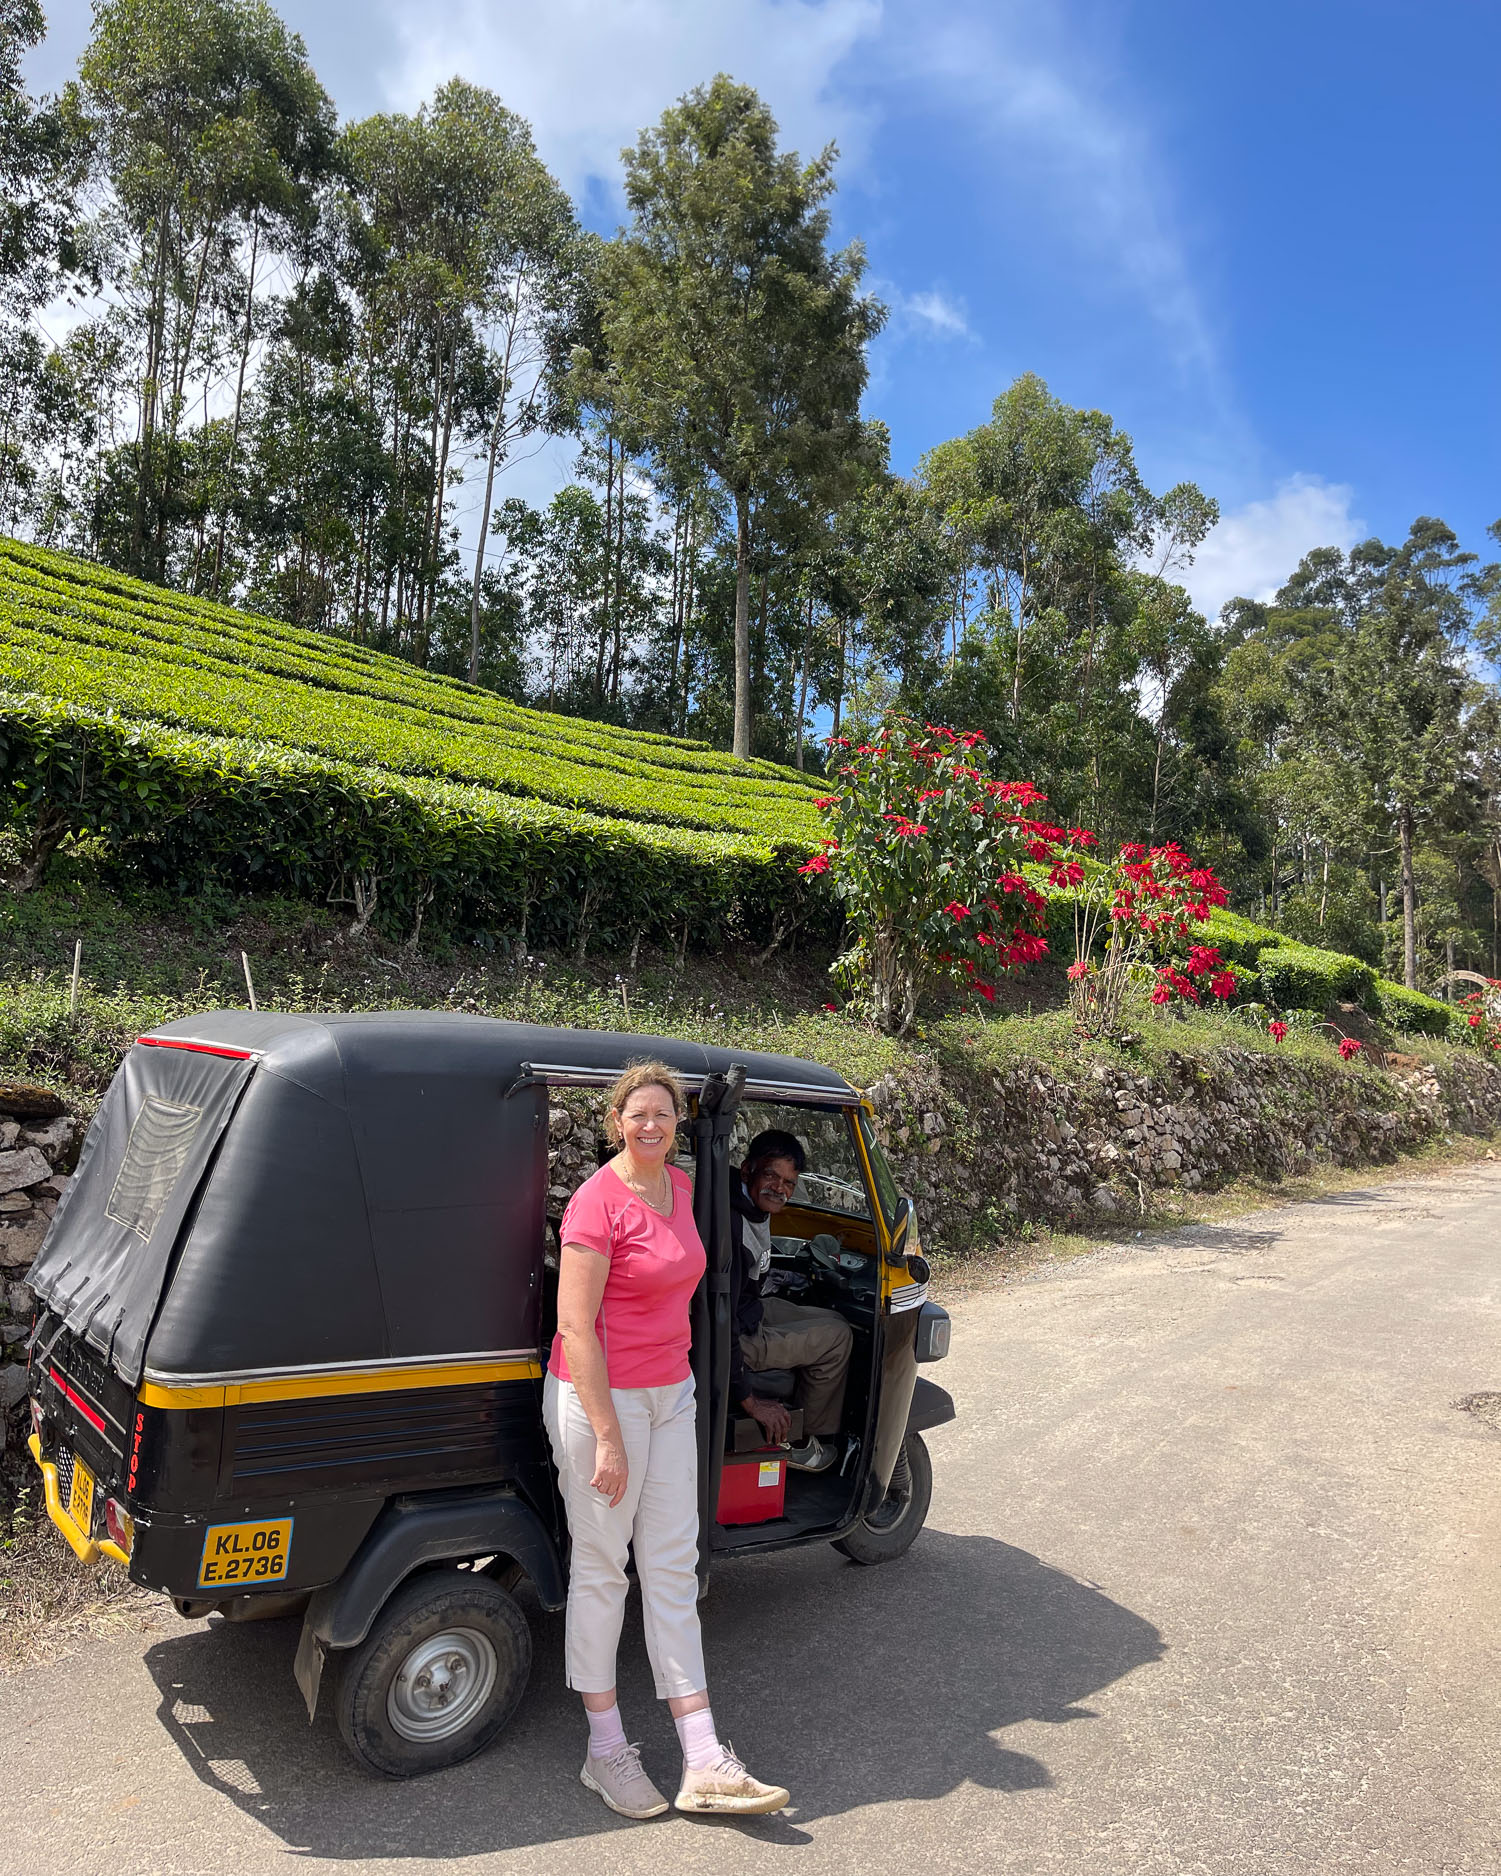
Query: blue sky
(1264, 239)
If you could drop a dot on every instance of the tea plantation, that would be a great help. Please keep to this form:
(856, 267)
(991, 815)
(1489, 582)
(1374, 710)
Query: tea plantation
(207, 742)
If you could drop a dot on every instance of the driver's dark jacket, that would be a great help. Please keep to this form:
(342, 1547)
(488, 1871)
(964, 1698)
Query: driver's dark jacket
(745, 1286)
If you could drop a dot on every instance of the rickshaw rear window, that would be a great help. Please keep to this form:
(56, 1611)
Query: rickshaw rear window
(161, 1138)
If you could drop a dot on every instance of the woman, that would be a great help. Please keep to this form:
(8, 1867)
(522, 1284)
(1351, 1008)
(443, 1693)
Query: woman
(619, 1407)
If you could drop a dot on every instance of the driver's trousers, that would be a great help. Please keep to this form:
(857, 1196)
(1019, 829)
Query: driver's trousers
(815, 1344)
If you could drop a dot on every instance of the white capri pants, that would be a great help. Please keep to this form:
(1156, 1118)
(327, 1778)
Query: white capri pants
(659, 1514)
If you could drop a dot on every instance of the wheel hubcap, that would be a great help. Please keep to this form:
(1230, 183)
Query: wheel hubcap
(442, 1685)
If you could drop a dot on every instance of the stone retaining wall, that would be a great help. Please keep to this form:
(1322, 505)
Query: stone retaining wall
(39, 1143)
(982, 1153)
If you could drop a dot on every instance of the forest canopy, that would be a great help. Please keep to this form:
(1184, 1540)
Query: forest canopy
(284, 362)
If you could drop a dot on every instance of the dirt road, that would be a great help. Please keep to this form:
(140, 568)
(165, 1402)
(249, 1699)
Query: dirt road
(1211, 1585)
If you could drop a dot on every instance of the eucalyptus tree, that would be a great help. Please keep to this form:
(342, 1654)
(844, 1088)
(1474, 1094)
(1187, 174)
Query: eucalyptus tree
(468, 267)
(736, 339)
(209, 125)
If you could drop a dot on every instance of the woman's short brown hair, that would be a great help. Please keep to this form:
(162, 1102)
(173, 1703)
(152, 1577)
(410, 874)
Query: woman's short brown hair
(643, 1075)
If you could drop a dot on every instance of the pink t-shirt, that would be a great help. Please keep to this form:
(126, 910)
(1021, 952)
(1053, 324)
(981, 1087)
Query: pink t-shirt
(655, 1265)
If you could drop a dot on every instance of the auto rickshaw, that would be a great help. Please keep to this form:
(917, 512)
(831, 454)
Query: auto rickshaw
(293, 1313)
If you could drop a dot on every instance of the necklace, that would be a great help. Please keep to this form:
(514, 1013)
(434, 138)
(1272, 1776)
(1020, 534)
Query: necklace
(662, 1204)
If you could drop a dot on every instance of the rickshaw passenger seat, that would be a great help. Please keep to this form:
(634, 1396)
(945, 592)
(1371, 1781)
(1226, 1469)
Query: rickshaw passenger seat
(772, 1383)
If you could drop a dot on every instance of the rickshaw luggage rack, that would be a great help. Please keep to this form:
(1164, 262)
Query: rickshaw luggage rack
(573, 1075)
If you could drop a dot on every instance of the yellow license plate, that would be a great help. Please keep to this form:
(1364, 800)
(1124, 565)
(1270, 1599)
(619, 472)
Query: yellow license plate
(81, 1497)
(245, 1553)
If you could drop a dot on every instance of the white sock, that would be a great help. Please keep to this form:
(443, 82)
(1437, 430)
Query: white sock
(698, 1738)
(606, 1734)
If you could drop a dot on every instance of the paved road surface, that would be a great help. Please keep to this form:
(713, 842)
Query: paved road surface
(1210, 1586)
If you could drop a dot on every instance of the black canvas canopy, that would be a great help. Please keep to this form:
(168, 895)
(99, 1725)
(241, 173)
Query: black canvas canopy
(267, 1191)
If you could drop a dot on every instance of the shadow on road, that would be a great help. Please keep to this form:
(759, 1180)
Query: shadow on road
(851, 1686)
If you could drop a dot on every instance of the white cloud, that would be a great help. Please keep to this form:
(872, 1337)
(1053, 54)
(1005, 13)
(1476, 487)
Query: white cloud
(1254, 549)
(1082, 157)
(943, 317)
(588, 76)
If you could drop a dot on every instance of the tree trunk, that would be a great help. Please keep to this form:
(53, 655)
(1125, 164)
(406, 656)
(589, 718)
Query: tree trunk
(479, 552)
(234, 435)
(742, 743)
(1409, 902)
(617, 652)
(802, 693)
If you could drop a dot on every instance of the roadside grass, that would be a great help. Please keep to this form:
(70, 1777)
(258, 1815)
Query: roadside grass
(150, 956)
(48, 1600)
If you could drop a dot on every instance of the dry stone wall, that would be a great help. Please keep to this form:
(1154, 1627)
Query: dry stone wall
(979, 1152)
(982, 1153)
(39, 1143)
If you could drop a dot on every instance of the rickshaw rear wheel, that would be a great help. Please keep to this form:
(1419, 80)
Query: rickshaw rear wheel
(886, 1532)
(437, 1677)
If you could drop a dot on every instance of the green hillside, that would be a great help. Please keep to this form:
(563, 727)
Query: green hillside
(204, 741)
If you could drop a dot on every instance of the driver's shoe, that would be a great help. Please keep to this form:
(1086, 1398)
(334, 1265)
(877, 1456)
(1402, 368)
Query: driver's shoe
(814, 1455)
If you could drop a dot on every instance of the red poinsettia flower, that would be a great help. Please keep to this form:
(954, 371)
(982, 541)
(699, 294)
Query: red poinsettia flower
(955, 910)
(1162, 994)
(1223, 985)
(1348, 1048)
(1077, 969)
(818, 864)
(1276, 1031)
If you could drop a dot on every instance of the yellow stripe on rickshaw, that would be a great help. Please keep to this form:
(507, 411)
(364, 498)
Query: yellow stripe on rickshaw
(188, 1393)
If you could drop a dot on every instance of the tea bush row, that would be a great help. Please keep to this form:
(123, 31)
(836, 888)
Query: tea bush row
(83, 643)
(182, 809)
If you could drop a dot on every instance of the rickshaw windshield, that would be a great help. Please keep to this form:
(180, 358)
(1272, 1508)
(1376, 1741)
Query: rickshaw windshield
(887, 1191)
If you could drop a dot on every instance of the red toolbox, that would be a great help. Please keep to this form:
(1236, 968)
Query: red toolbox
(752, 1487)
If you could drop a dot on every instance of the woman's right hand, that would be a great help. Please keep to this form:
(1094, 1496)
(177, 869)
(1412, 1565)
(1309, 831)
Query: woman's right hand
(610, 1470)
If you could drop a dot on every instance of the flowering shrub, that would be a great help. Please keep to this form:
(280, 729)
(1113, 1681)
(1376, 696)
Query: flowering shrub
(925, 847)
(1146, 902)
(1483, 1016)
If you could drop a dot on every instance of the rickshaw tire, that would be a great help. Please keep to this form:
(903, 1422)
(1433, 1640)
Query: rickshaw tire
(430, 1603)
(873, 1541)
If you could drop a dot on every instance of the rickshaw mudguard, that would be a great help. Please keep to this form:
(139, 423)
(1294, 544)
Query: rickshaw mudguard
(932, 1406)
(409, 1534)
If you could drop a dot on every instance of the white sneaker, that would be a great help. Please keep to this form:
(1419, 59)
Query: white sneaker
(726, 1787)
(620, 1781)
(814, 1455)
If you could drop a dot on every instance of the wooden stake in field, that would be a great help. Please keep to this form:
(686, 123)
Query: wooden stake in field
(249, 980)
(77, 966)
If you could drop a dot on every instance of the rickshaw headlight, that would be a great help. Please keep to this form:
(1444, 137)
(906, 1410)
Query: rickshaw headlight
(933, 1332)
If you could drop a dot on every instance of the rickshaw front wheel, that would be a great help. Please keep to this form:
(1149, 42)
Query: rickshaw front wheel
(886, 1532)
(437, 1677)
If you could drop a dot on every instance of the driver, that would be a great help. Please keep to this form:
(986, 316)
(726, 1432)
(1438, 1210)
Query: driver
(770, 1332)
